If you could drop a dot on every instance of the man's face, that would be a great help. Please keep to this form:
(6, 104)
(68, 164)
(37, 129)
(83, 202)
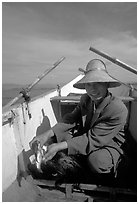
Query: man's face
(96, 90)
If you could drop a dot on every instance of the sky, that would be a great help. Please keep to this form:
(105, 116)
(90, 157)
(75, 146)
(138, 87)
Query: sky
(36, 34)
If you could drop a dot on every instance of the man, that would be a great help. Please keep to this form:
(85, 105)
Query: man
(99, 119)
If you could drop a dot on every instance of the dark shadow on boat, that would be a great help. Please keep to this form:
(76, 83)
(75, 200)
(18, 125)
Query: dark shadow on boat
(23, 157)
(45, 125)
(127, 169)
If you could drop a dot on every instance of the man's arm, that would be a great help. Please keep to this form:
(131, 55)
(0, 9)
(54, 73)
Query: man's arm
(43, 138)
(72, 117)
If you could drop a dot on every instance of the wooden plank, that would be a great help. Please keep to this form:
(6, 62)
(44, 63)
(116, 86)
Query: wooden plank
(90, 192)
(69, 98)
(89, 187)
(69, 188)
(77, 98)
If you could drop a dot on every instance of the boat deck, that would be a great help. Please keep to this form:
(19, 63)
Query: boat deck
(85, 192)
(47, 191)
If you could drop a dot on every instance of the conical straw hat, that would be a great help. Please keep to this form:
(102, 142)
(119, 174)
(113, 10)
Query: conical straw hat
(96, 72)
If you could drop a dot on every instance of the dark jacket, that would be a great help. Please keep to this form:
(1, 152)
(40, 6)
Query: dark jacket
(103, 127)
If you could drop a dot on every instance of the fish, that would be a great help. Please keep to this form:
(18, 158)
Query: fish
(39, 152)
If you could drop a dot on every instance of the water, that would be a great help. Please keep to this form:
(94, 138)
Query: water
(10, 91)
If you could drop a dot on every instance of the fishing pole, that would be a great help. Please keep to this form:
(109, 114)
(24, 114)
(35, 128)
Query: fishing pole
(114, 60)
(24, 92)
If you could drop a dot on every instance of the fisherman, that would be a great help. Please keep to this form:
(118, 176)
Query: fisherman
(98, 123)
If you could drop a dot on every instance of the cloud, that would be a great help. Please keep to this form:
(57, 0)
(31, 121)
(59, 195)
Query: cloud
(37, 35)
(31, 55)
(122, 46)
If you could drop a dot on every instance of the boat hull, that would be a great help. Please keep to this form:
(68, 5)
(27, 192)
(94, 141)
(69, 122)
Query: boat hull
(20, 125)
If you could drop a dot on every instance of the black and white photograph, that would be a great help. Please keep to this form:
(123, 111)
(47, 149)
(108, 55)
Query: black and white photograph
(69, 101)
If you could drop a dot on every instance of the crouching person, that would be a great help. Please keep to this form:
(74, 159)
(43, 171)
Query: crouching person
(99, 121)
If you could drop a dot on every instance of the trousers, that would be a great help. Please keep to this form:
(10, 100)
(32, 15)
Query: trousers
(102, 160)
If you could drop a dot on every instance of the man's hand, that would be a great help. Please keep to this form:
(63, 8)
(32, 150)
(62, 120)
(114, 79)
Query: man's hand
(53, 149)
(42, 138)
(51, 152)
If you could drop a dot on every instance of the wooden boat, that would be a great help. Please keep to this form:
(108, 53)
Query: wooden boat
(21, 122)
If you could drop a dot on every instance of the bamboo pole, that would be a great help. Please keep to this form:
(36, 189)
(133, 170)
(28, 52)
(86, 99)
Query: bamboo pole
(20, 95)
(114, 60)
